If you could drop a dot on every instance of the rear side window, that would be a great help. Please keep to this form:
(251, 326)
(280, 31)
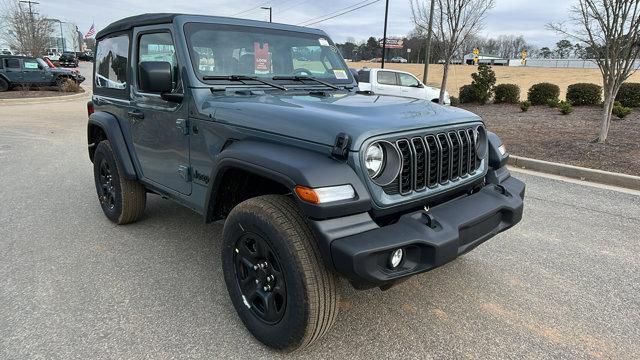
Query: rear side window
(386, 78)
(112, 56)
(408, 80)
(363, 76)
(12, 63)
(30, 64)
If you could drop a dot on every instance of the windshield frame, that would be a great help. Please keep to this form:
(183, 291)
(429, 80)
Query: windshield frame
(188, 30)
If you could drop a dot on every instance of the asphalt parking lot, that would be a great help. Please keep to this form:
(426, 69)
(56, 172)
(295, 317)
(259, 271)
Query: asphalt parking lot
(564, 283)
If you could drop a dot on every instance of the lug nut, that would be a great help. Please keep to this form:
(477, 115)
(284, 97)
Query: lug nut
(270, 278)
(267, 288)
(257, 281)
(255, 267)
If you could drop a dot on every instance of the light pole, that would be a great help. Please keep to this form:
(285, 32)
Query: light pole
(270, 11)
(384, 37)
(428, 49)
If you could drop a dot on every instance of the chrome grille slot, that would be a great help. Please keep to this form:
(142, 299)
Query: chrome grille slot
(465, 151)
(420, 161)
(434, 154)
(434, 160)
(455, 155)
(406, 172)
(472, 155)
(445, 157)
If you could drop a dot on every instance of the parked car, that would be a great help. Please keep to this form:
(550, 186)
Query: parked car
(398, 59)
(68, 59)
(398, 83)
(5, 51)
(29, 71)
(313, 178)
(84, 55)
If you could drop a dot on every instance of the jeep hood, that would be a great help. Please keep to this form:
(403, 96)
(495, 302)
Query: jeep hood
(319, 119)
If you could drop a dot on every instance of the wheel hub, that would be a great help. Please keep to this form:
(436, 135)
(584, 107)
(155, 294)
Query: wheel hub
(107, 195)
(259, 277)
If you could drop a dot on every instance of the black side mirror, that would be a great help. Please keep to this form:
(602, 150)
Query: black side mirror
(155, 77)
(354, 73)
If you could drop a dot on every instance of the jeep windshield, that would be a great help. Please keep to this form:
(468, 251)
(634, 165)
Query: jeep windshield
(286, 57)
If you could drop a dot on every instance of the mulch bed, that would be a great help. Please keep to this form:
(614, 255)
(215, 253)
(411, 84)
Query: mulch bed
(545, 134)
(19, 94)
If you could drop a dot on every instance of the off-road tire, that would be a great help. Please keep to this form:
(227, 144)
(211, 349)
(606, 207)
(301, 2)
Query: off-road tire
(129, 195)
(311, 289)
(4, 85)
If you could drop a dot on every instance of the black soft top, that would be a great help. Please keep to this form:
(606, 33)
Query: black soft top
(137, 20)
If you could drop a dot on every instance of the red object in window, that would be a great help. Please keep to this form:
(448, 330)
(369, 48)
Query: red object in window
(261, 54)
(49, 63)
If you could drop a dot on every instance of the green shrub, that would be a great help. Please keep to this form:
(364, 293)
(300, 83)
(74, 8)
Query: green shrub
(565, 107)
(483, 82)
(629, 95)
(468, 94)
(524, 105)
(539, 93)
(553, 103)
(506, 93)
(584, 94)
(621, 111)
(454, 101)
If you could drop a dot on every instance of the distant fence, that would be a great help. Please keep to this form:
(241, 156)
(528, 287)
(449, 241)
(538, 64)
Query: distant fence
(561, 63)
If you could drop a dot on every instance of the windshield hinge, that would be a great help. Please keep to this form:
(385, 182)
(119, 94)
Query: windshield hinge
(340, 149)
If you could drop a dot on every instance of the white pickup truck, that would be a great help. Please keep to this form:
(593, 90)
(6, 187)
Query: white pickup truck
(399, 83)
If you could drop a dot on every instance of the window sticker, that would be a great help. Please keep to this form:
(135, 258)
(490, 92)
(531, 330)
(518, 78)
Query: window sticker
(323, 42)
(262, 59)
(30, 65)
(340, 74)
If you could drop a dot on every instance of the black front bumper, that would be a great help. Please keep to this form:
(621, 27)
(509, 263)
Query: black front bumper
(359, 249)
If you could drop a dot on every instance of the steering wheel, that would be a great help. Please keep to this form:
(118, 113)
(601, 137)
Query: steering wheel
(301, 72)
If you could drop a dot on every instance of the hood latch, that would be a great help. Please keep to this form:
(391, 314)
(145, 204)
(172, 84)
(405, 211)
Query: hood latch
(340, 149)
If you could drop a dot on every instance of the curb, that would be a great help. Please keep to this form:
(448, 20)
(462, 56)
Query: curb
(47, 99)
(576, 172)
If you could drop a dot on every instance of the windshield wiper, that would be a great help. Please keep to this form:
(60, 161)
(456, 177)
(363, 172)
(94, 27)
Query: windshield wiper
(243, 78)
(303, 78)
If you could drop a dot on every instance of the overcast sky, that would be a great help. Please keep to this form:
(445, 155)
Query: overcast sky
(516, 17)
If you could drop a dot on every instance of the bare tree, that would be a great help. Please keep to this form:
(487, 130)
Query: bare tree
(612, 30)
(27, 32)
(454, 22)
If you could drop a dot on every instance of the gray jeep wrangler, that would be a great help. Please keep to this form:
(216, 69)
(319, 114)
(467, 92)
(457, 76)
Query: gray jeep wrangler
(263, 125)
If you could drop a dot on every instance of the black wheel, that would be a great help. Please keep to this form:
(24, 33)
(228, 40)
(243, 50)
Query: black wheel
(4, 85)
(281, 290)
(122, 201)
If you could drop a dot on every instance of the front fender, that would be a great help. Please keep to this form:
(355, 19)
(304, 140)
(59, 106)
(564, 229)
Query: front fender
(111, 128)
(292, 166)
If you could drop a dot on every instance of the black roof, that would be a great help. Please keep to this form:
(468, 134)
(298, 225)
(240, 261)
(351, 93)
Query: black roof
(137, 20)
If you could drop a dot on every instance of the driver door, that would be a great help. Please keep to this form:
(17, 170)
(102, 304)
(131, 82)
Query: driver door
(159, 128)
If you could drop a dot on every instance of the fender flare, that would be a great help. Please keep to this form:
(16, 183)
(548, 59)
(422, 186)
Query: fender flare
(289, 167)
(111, 127)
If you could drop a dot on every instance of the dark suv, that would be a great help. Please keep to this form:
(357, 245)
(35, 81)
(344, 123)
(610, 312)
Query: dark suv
(263, 125)
(68, 59)
(28, 71)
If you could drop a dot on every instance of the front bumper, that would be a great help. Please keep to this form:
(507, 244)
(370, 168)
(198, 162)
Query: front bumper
(429, 238)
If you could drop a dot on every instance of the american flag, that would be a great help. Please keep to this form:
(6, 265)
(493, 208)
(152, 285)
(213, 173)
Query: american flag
(91, 32)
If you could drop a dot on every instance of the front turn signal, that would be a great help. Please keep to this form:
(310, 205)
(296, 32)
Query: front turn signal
(325, 194)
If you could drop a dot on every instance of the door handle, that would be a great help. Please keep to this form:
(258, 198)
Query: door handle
(136, 114)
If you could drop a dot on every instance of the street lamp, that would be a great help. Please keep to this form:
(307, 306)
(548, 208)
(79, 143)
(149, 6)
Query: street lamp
(270, 11)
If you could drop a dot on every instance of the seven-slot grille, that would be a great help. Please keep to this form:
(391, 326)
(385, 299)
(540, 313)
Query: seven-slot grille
(433, 160)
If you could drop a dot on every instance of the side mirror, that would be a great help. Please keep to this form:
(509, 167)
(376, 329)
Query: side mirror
(354, 73)
(155, 77)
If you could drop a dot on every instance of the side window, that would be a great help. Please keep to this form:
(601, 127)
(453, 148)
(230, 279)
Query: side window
(159, 47)
(12, 63)
(387, 78)
(363, 76)
(408, 80)
(111, 63)
(30, 64)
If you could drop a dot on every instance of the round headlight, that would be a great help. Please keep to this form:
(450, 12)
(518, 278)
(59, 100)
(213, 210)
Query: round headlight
(481, 142)
(374, 160)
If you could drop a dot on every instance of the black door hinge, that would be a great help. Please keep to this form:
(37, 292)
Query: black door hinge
(340, 149)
